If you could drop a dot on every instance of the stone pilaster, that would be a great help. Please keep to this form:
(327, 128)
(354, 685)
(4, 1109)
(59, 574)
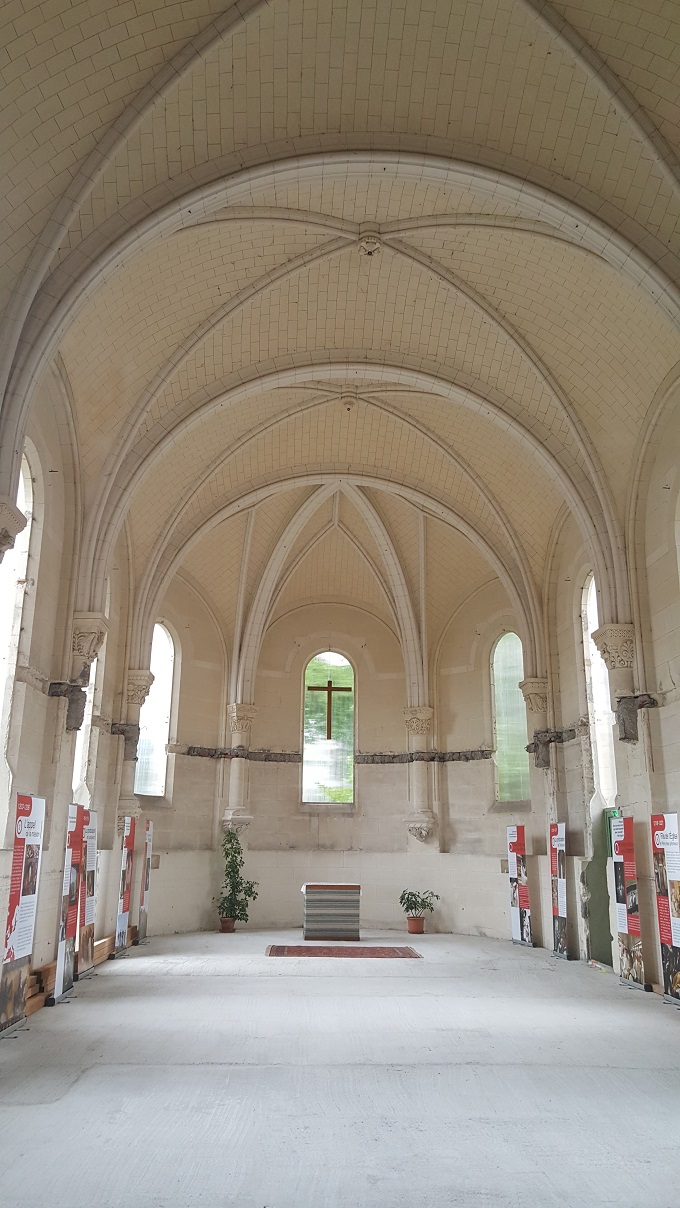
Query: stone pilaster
(12, 521)
(138, 684)
(421, 822)
(236, 816)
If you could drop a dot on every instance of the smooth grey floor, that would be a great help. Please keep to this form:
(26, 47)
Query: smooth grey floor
(197, 1071)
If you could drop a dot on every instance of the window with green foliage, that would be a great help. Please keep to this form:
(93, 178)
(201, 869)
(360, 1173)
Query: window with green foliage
(510, 720)
(328, 747)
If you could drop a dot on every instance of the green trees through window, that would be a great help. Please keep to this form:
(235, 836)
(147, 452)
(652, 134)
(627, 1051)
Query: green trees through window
(510, 720)
(328, 745)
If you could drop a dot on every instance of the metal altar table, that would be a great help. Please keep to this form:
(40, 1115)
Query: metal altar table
(331, 911)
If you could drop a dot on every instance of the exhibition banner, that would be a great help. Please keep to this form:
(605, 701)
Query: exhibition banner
(558, 886)
(87, 892)
(666, 858)
(70, 903)
(125, 884)
(631, 968)
(520, 910)
(146, 876)
(23, 900)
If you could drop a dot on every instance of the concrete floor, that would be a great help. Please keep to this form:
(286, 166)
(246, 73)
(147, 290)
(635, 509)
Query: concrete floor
(199, 1072)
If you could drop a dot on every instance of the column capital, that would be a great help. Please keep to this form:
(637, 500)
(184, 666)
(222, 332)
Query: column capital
(87, 637)
(535, 693)
(139, 683)
(418, 720)
(12, 521)
(241, 717)
(616, 644)
(421, 826)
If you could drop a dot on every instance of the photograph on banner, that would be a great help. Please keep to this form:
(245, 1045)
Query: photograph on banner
(146, 878)
(126, 858)
(85, 956)
(631, 967)
(520, 909)
(558, 886)
(70, 903)
(666, 861)
(21, 909)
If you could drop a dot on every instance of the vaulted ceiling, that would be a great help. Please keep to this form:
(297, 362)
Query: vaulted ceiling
(351, 299)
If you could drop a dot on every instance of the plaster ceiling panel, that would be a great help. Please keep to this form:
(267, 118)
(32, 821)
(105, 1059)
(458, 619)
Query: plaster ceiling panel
(529, 496)
(136, 322)
(454, 569)
(214, 565)
(485, 79)
(386, 308)
(639, 41)
(325, 439)
(271, 519)
(605, 343)
(67, 75)
(334, 570)
(321, 519)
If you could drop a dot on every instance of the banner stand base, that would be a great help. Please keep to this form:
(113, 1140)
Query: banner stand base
(517, 943)
(14, 1029)
(672, 1002)
(563, 956)
(646, 987)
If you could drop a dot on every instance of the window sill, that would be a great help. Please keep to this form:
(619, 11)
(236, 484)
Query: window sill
(326, 807)
(510, 807)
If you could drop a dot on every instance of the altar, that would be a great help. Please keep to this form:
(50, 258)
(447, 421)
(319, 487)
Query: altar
(331, 911)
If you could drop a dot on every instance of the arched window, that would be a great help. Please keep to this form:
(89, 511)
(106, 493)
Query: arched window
(81, 793)
(510, 720)
(600, 713)
(154, 717)
(13, 588)
(328, 746)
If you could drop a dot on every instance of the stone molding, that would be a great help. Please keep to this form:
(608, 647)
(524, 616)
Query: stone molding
(241, 717)
(76, 697)
(535, 693)
(627, 708)
(129, 732)
(423, 756)
(139, 683)
(12, 521)
(25, 674)
(616, 644)
(89, 631)
(418, 720)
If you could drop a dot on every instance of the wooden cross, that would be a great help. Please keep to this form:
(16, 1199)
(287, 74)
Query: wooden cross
(329, 689)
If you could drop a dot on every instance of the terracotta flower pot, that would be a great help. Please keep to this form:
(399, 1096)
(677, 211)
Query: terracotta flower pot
(226, 924)
(415, 926)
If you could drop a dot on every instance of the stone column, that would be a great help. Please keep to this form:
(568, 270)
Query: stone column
(240, 718)
(89, 631)
(12, 521)
(421, 821)
(139, 682)
(535, 693)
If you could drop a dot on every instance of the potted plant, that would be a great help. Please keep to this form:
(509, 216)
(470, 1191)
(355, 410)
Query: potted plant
(414, 905)
(237, 892)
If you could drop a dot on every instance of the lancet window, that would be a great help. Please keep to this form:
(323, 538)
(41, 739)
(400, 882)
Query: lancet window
(600, 713)
(154, 717)
(328, 739)
(510, 720)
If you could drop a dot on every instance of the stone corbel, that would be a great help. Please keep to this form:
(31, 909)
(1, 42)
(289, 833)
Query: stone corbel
(12, 521)
(233, 821)
(76, 697)
(89, 631)
(129, 732)
(627, 708)
(138, 686)
(616, 644)
(543, 740)
(422, 827)
(535, 693)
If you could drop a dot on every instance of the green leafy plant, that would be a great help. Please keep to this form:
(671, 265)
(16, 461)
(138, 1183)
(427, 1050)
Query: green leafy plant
(237, 892)
(415, 904)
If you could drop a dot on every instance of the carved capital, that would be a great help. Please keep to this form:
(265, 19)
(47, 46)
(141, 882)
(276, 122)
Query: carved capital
(12, 521)
(418, 720)
(535, 693)
(616, 644)
(240, 718)
(138, 686)
(89, 631)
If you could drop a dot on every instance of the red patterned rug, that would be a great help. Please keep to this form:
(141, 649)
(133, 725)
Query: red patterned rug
(336, 950)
